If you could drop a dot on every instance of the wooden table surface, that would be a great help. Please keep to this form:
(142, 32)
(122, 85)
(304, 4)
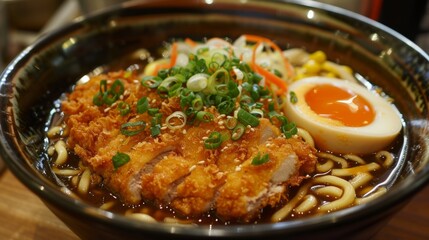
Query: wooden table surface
(24, 217)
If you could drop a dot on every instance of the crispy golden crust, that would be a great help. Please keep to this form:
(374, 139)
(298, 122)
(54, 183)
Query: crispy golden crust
(174, 168)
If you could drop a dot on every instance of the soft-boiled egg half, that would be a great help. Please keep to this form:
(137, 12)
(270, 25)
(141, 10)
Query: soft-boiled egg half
(342, 116)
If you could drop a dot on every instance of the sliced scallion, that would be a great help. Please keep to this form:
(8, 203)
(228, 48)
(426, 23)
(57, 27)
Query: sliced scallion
(197, 82)
(238, 131)
(257, 112)
(204, 116)
(289, 129)
(197, 103)
(231, 122)
(226, 106)
(117, 88)
(132, 128)
(293, 98)
(151, 81)
(119, 159)
(142, 105)
(176, 120)
(246, 118)
(153, 111)
(124, 108)
(213, 141)
(259, 160)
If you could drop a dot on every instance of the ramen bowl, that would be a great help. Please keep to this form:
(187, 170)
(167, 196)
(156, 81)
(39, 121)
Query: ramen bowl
(32, 83)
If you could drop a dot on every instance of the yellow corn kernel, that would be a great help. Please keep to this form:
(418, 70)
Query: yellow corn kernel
(348, 69)
(311, 67)
(318, 56)
(300, 76)
(327, 67)
(330, 74)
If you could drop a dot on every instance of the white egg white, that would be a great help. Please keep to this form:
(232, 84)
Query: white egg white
(332, 135)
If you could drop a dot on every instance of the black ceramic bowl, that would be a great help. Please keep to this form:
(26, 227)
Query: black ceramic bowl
(49, 67)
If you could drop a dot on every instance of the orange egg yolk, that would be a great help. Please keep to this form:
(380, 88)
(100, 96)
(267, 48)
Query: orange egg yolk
(338, 104)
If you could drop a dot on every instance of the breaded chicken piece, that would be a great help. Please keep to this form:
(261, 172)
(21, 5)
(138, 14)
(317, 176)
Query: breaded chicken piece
(252, 187)
(197, 193)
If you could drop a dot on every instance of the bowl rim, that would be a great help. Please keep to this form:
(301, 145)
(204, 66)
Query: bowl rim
(45, 190)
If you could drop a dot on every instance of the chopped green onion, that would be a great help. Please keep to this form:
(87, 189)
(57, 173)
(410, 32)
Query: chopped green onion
(119, 159)
(246, 118)
(197, 104)
(271, 107)
(233, 89)
(204, 116)
(151, 81)
(186, 98)
(221, 76)
(226, 106)
(202, 50)
(132, 128)
(213, 66)
(222, 89)
(175, 90)
(276, 118)
(176, 120)
(231, 122)
(153, 111)
(97, 100)
(142, 105)
(213, 141)
(103, 86)
(155, 128)
(218, 58)
(293, 98)
(259, 160)
(257, 112)
(197, 82)
(169, 85)
(110, 97)
(124, 108)
(278, 73)
(238, 131)
(289, 129)
(163, 73)
(117, 88)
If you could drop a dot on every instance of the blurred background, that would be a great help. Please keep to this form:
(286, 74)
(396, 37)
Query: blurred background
(23, 21)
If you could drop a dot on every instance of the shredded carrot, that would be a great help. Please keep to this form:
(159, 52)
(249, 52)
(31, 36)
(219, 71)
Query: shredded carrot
(173, 59)
(190, 42)
(257, 39)
(173, 54)
(270, 77)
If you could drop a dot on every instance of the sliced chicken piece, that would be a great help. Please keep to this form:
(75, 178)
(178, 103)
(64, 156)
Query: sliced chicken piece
(252, 187)
(197, 193)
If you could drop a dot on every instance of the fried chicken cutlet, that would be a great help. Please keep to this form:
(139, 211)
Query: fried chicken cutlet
(236, 179)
